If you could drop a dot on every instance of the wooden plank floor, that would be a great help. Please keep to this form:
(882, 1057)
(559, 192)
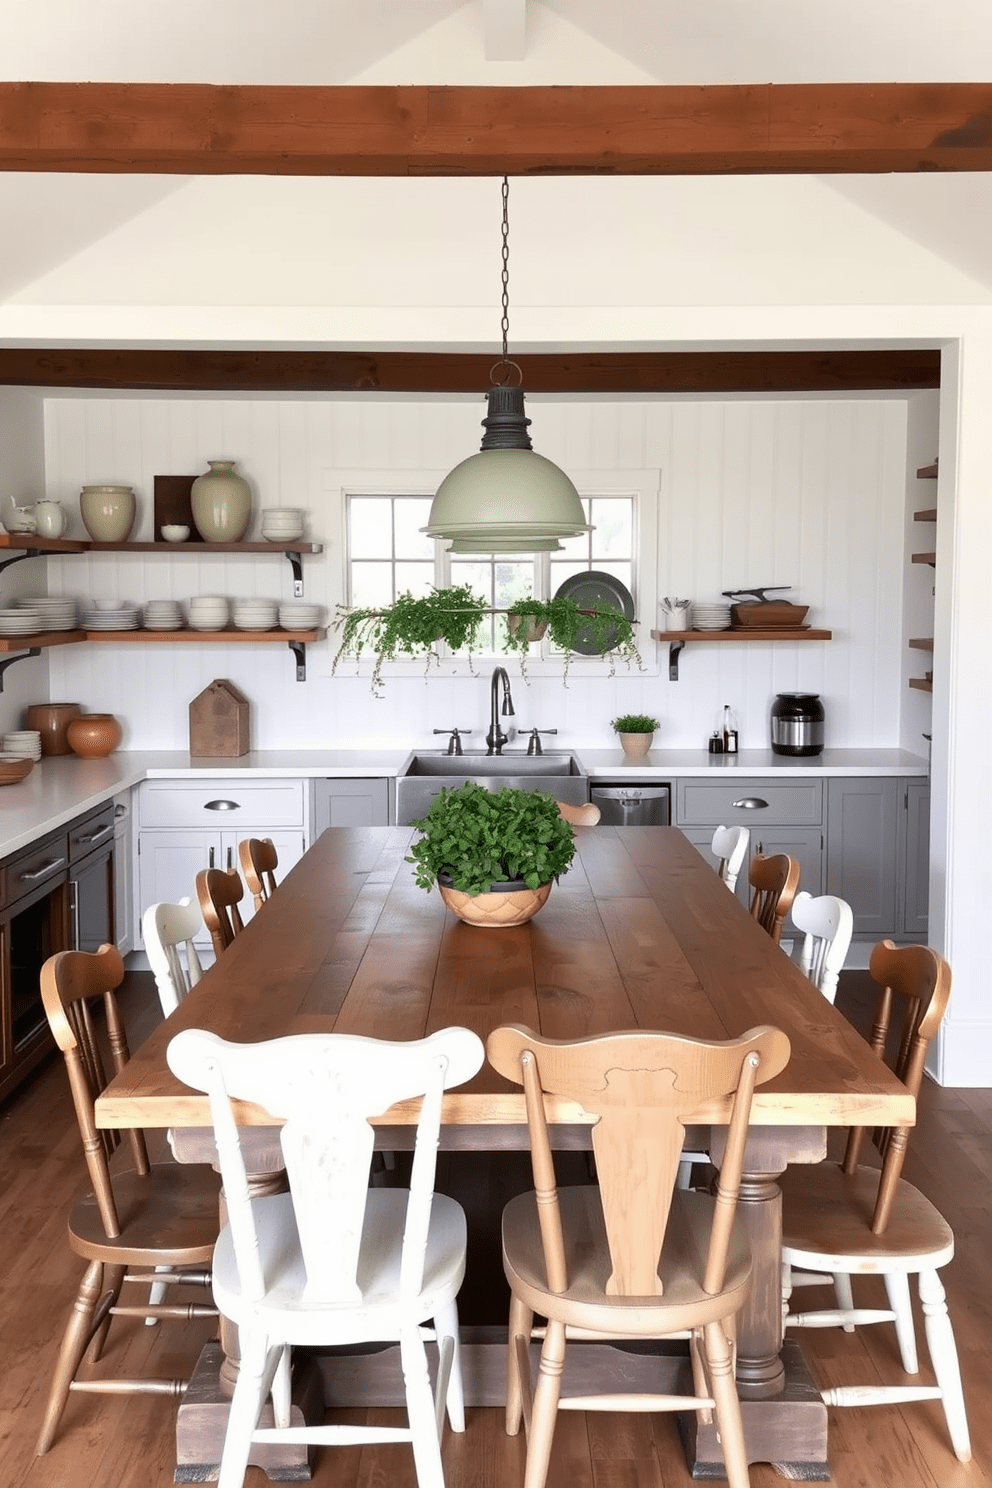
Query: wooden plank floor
(128, 1443)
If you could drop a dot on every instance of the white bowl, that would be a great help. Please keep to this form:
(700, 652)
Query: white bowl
(174, 532)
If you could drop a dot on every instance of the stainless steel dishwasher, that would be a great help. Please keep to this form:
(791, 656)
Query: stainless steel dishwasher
(633, 805)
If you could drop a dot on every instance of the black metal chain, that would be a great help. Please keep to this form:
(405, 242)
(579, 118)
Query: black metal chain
(504, 370)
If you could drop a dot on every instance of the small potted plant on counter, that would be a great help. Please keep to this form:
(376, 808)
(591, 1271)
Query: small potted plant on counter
(493, 854)
(636, 732)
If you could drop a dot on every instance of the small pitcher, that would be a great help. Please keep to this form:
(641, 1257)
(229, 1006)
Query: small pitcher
(49, 519)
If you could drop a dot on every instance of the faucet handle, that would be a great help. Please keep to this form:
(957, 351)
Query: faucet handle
(534, 739)
(455, 741)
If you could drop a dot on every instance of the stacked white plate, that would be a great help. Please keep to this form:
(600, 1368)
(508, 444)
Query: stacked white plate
(112, 614)
(282, 523)
(254, 614)
(23, 742)
(295, 615)
(163, 614)
(208, 612)
(17, 620)
(711, 614)
(56, 612)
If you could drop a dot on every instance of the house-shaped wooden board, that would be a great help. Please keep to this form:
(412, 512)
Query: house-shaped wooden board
(218, 721)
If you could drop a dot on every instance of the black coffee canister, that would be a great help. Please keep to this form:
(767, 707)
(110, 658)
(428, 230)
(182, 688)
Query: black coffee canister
(797, 723)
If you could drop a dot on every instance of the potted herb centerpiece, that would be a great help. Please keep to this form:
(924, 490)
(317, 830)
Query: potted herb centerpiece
(493, 854)
(636, 732)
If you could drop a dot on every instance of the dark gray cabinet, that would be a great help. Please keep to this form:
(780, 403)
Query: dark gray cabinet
(878, 853)
(782, 816)
(916, 858)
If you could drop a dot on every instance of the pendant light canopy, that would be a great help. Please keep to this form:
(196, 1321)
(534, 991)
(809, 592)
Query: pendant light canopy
(506, 498)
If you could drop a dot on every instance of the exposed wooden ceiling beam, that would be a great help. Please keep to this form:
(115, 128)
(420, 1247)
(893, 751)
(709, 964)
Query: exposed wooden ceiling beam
(439, 372)
(199, 129)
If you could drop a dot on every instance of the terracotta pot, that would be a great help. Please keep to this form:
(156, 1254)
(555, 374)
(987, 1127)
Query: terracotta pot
(94, 735)
(107, 512)
(636, 745)
(52, 720)
(221, 503)
(507, 904)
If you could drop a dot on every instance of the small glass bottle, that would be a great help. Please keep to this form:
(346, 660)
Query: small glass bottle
(729, 731)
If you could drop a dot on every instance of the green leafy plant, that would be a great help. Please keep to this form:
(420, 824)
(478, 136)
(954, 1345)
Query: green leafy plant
(635, 723)
(479, 837)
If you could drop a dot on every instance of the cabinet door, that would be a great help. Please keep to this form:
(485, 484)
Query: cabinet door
(168, 863)
(862, 857)
(91, 901)
(289, 846)
(916, 891)
(805, 844)
(350, 803)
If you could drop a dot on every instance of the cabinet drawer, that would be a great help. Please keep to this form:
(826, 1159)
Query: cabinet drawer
(708, 803)
(221, 804)
(91, 832)
(44, 861)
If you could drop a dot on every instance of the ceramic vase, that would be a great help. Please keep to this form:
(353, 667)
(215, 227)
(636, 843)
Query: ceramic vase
(636, 745)
(221, 503)
(52, 721)
(507, 904)
(107, 512)
(94, 735)
(49, 519)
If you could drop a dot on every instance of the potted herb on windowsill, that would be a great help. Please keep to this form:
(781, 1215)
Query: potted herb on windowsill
(636, 732)
(493, 854)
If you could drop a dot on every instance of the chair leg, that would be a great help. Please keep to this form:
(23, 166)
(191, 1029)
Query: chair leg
(257, 1366)
(75, 1342)
(420, 1410)
(944, 1357)
(521, 1322)
(156, 1294)
(720, 1365)
(113, 1280)
(544, 1411)
(282, 1389)
(446, 1326)
(845, 1296)
(897, 1290)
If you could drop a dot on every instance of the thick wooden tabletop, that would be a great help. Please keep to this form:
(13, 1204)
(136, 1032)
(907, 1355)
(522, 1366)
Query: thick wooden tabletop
(640, 933)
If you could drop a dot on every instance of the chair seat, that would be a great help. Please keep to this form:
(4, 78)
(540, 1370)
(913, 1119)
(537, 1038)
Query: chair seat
(167, 1218)
(586, 1303)
(826, 1216)
(382, 1310)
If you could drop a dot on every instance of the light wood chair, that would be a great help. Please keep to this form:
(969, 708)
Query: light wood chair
(774, 882)
(334, 1261)
(162, 1217)
(259, 862)
(169, 931)
(634, 1256)
(853, 1220)
(827, 924)
(729, 846)
(586, 815)
(220, 891)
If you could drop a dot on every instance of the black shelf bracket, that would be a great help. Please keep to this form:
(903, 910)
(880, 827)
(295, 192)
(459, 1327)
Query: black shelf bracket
(19, 557)
(296, 564)
(674, 652)
(8, 661)
(299, 650)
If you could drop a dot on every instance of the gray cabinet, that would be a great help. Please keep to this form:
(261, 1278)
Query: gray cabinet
(782, 817)
(350, 803)
(916, 857)
(878, 853)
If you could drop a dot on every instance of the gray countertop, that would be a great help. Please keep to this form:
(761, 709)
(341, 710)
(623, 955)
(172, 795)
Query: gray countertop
(61, 788)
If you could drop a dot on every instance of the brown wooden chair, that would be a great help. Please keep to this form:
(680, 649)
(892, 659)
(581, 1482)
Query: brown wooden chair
(220, 891)
(163, 1218)
(848, 1220)
(774, 882)
(258, 867)
(586, 815)
(633, 1257)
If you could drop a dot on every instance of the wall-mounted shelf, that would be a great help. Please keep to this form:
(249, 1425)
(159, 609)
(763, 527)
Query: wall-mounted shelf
(921, 684)
(930, 515)
(930, 558)
(922, 643)
(927, 472)
(678, 638)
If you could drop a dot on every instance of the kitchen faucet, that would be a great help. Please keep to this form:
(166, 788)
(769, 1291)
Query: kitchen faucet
(495, 739)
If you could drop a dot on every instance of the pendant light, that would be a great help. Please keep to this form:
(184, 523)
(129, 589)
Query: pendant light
(506, 498)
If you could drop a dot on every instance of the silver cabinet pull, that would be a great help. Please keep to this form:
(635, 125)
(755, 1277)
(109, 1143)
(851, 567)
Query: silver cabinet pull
(95, 836)
(222, 805)
(749, 803)
(230, 859)
(211, 858)
(44, 870)
(74, 912)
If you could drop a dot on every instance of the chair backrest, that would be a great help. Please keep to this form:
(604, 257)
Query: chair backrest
(916, 987)
(220, 891)
(827, 924)
(729, 845)
(168, 931)
(72, 984)
(586, 815)
(644, 1088)
(774, 882)
(259, 862)
(325, 1087)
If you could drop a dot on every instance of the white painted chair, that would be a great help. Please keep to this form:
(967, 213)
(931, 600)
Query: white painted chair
(827, 924)
(843, 1218)
(334, 1261)
(169, 931)
(729, 846)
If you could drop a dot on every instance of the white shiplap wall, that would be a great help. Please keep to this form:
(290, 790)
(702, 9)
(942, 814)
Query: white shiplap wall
(807, 492)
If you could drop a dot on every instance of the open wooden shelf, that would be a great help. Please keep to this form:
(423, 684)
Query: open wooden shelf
(200, 637)
(922, 643)
(921, 684)
(678, 638)
(930, 558)
(40, 641)
(930, 515)
(29, 540)
(927, 472)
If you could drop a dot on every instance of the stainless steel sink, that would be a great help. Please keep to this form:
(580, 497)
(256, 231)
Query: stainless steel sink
(560, 775)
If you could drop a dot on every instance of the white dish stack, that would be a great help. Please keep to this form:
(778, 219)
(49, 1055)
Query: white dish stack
(25, 743)
(112, 614)
(254, 614)
(295, 615)
(282, 523)
(163, 614)
(32, 616)
(208, 612)
(711, 614)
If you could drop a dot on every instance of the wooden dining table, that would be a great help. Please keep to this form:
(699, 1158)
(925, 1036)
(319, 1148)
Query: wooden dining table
(640, 933)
